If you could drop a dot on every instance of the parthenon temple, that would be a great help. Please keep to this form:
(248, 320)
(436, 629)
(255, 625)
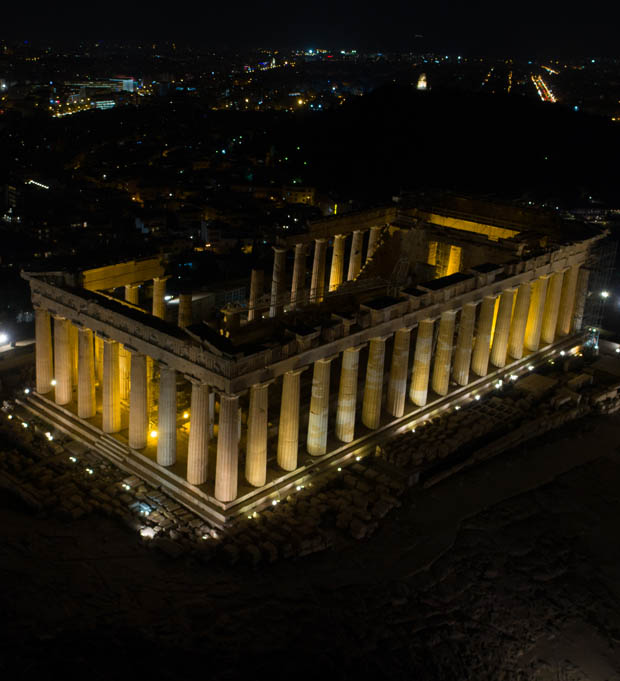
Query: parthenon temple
(369, 319)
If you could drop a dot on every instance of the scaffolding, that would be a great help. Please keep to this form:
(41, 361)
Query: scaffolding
(600, 264)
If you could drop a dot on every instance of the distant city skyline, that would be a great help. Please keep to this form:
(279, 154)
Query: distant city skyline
(450, 26)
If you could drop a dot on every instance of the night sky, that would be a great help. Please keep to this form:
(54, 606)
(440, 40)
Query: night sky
(519, 29)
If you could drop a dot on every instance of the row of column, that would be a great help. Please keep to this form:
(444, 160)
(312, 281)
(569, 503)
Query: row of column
(318, 279)
(488, 332)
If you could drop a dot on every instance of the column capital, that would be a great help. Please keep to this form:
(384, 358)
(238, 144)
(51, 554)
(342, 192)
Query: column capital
(329, 358)
(382, 338)
(263, 384)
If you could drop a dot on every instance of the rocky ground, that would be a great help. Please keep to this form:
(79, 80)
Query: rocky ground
(509, 570)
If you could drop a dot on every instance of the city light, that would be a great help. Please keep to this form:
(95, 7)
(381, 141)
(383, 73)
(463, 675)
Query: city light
(604, 294)
(4, 338)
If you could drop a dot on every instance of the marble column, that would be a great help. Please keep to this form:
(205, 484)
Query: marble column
(519, 321)
(443, 352)
(335, 275)
(464, 344)
(567, 301)
(185, 310)
(347, 394)
(317, 286)
(355, 259)
(299, 276)
(373, 238)
(277, 281)
(167, 417)
(132, 293)
(198, 443)
(227, 461)
(256, 447)
(288, 426)
(86, 375)
(257, 282)
(138, 415)
(482, 345)
(418, 390)
(397, 384)
(159, 301)
(373, 387)
(552, 307)
(111, 388)
(62, 361)
(319, 408)
(499, 349)
(581, 295)
(43, 350)
(535, 313)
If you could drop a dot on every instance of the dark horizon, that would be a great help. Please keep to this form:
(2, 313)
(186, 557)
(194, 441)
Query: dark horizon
(449, 27)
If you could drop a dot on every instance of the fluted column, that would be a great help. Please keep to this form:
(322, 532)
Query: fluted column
(317, 286)
(535, 313)
(198, 443)
(277, 281)
(319, 408)
(552, 307)
(418, 390)
(567, 301)
(226, 464)
(43, 349)
(167, 417)
(397, 384)
(482, 345)
(464, 344)
(519, 321)
(185, 310)
(499, 348)
(86, 374)
(299, 276)
(111, 388)
(347, 394)
(288, 426)
(62, 361)
(355, 259)
(132, 293)
(256, 291)
(581, 296)
(256, 450)
(443, 353)
(159, 293)
(373, 387)
(335, 275)
(138, 416)
(373, 238)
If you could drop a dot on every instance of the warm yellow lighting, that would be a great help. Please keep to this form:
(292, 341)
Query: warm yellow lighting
(185, 414)
(153, 434)
(300, 101)
(53, 381)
